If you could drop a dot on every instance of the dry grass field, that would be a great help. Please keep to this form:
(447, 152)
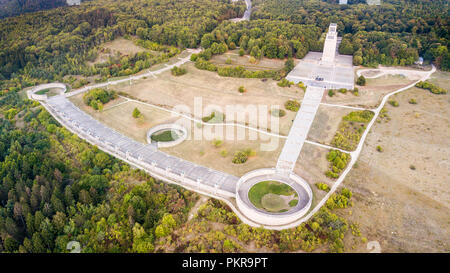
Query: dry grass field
(263, 64)
(311, 165)
(119, 46)
(371, 94)
(214, 92)
(402, 198)
(326, 123)
(123, 46)
(199, 147)
(204, 152)
(119, 117)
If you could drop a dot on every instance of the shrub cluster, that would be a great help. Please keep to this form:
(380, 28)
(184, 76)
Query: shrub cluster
(136, 113)
(178, 71)
(332, 92)
(341, 200)
(241, 157)
(292, 105)
(241, 72)
(214, 117)
(285, 83)
(97, 97)
(431, 87)
(217, 143)
(361, 81)
(301, 85)
(359, 116)
(204, 65)
(323, 187)
(338, 161)
(394, 103)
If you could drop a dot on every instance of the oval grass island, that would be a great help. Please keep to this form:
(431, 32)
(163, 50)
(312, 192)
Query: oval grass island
(273, 196)
(268, 197)
(167, 135)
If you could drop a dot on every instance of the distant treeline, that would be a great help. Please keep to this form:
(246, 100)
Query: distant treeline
(16, 7)
(394, 33)
(46, 46)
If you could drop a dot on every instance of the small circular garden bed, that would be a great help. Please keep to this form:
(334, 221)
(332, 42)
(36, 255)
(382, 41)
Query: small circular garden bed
(273, 196)
(166, 135)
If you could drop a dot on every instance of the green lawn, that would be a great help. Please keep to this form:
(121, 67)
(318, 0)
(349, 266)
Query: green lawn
(42, 92)
(293, 203)
(165, 136)
(267, 195)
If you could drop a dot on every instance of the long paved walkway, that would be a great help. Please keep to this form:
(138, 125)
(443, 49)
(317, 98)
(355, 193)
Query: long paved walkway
(299, 130)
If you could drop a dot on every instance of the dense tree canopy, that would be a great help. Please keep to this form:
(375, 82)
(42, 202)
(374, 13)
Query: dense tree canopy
(399, 30)
(47, 45)
(15, 7)
(55, 188)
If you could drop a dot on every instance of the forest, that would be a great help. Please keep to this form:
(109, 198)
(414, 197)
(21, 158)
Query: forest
(55, 188)
(16, 7)
(48, 45)
(394, 33)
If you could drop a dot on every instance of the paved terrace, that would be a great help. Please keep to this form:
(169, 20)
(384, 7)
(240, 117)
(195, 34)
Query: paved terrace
(335, 75)
(299, 130)
(145, 156)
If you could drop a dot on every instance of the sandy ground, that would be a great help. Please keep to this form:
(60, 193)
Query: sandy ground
(214, 92)
(406, 210)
